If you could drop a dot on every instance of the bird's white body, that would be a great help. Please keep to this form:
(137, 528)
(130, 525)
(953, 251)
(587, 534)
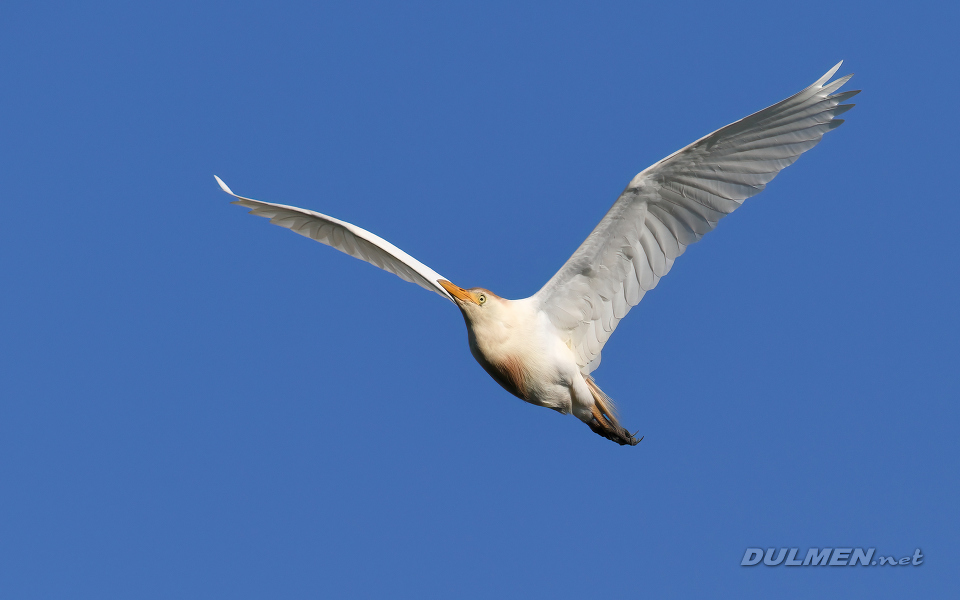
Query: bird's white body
(543, 349)
(515, 342)
(518, 345)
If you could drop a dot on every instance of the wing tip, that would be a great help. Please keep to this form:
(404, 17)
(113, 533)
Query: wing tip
(842, 96)
(826, 76)
(223, 186)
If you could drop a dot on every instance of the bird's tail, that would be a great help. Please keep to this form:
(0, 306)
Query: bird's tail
(604, 420)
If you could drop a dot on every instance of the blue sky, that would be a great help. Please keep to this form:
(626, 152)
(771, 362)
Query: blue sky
(195, 404)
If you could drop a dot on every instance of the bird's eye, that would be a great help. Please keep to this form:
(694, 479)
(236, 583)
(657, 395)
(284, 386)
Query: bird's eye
(481, 299)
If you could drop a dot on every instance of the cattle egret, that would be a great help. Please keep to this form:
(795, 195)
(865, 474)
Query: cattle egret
(544, 348)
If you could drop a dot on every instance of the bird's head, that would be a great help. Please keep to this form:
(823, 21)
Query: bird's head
(476, 304)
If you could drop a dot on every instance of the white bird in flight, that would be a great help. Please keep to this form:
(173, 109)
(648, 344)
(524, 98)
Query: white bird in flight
(544, 348)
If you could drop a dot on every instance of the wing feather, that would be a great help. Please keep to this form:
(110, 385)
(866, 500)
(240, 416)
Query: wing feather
(347, 238)
(673, 204)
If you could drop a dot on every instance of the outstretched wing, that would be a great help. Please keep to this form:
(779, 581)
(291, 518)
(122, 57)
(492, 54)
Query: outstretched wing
(347, 238)
(672, 204)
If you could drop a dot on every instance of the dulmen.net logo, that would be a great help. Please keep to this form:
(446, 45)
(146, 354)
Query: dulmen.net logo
(831, 557)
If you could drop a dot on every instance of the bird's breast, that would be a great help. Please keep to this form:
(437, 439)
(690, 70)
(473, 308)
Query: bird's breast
(520, 353)
(509, 371)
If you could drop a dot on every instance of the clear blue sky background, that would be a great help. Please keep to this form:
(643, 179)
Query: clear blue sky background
(196, 404)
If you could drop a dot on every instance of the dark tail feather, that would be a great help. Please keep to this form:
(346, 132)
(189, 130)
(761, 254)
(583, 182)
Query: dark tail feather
(604, 420)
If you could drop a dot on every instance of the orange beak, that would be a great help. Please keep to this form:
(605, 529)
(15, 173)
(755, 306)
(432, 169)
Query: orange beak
(457, 292)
